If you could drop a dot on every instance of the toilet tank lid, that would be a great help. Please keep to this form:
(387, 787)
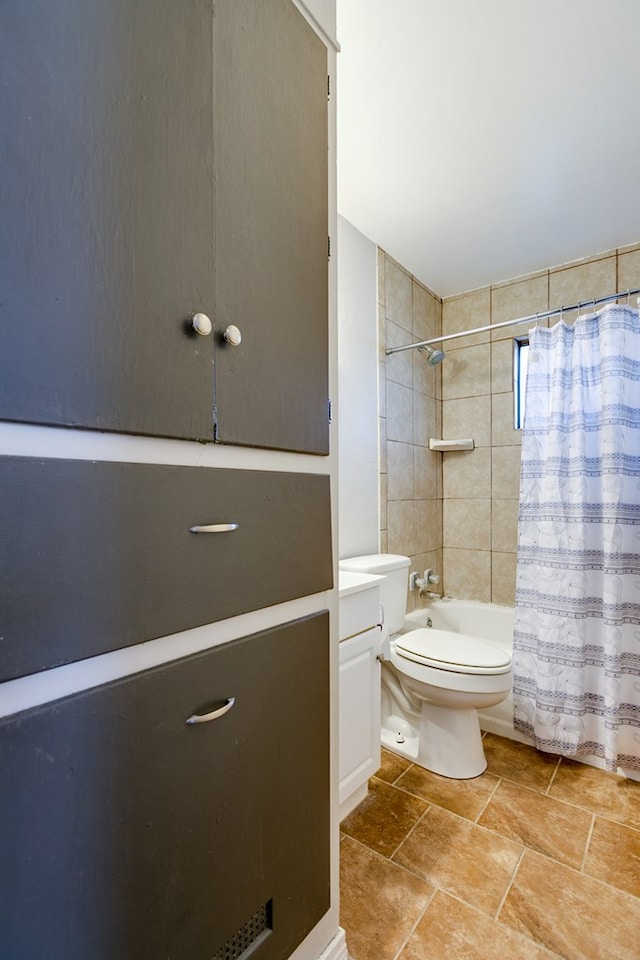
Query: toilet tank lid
(375, 563)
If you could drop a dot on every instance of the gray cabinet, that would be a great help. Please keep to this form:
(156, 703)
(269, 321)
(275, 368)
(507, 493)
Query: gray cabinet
(161, 159)
(127, 832)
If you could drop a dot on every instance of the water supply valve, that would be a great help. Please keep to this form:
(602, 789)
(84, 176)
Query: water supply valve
(418, 583)
(422, 584)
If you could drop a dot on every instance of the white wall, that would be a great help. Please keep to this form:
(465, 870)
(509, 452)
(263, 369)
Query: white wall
(357, 407)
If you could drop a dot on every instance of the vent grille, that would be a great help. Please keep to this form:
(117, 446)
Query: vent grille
(250, 934)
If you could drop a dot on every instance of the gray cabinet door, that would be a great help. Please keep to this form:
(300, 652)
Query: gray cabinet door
(138, 136)
(106, 233)
(95, 556)
(127, 833)
(270, 83)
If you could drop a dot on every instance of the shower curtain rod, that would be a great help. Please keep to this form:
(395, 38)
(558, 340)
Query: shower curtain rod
(533, 318)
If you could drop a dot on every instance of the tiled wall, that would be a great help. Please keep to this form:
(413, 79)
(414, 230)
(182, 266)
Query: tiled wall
(410, 413)
(478, 524)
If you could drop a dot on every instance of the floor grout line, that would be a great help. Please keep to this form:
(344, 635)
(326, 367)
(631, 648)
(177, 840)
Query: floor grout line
(510, 884)
(588, 843)
(407, 835)
(413, 928)
(489, 799)
(553, 777)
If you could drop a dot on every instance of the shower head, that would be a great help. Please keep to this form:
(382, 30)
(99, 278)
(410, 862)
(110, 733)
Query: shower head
(435, 356)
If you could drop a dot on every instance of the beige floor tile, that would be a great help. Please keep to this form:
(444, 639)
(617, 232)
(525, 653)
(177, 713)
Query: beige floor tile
(614, 856)
(570, 913)
(384, 818)
(519, 762)
(450, 930)
(467, 798)
(606, 794)
(460, 858)
(557, 829)
(379, 902)
(392, 766)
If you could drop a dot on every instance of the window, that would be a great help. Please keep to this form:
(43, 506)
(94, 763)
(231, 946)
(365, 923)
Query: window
(520, 360)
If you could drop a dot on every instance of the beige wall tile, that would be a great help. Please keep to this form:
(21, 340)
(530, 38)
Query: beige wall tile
(466, 312)
(467, 524)
(467, 372)
(401, 527)
(504, 525)
(468, 417)
(426, 378)
(424, 419)
(427, 473)
(425, 313)
(629, 272)
(398, 295)
(503, 432)
(400, 470)
(505, 473)
(399, 365)
(503, 578)
(384, 542)
(399, 412)
(467, 574)
(428, 525)
(502, 366)
(467, 475)
(511, 301)
(578, 284)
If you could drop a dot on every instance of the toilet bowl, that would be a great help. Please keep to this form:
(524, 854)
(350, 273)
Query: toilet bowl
(433, 681)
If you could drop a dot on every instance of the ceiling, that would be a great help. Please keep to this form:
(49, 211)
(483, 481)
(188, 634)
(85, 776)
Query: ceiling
(479, 141)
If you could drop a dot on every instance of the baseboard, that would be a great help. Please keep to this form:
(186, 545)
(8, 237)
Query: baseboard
(337, 949)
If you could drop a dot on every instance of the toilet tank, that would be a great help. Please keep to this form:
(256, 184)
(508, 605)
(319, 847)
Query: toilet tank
(393, 589)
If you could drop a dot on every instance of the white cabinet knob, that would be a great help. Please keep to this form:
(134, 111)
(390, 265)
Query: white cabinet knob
(233, 336)
(202, 325)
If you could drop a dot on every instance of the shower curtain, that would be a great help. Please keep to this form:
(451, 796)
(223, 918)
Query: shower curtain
(577, 624)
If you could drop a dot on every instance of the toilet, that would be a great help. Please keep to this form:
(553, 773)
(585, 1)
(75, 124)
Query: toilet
(433, 681)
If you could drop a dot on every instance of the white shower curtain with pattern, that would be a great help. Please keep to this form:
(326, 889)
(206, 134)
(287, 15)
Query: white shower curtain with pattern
(577, 623)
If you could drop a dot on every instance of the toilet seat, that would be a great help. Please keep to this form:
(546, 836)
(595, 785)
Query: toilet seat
(454, 652)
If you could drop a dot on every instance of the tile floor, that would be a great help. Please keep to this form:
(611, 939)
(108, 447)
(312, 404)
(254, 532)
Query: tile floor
(537, 858)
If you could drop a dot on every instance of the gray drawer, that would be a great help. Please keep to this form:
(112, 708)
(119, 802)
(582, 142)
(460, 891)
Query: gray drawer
(95, 556)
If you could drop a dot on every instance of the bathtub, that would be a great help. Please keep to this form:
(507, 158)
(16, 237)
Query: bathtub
(488, 620)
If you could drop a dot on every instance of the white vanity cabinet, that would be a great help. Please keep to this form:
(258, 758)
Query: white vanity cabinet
(359, 687)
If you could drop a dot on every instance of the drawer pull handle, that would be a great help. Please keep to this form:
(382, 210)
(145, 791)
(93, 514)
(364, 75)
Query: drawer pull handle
(220, 712)
(214, 528)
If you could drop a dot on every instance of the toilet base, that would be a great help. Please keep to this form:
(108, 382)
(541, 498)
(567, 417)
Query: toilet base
(447, 742)
(450, 742)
